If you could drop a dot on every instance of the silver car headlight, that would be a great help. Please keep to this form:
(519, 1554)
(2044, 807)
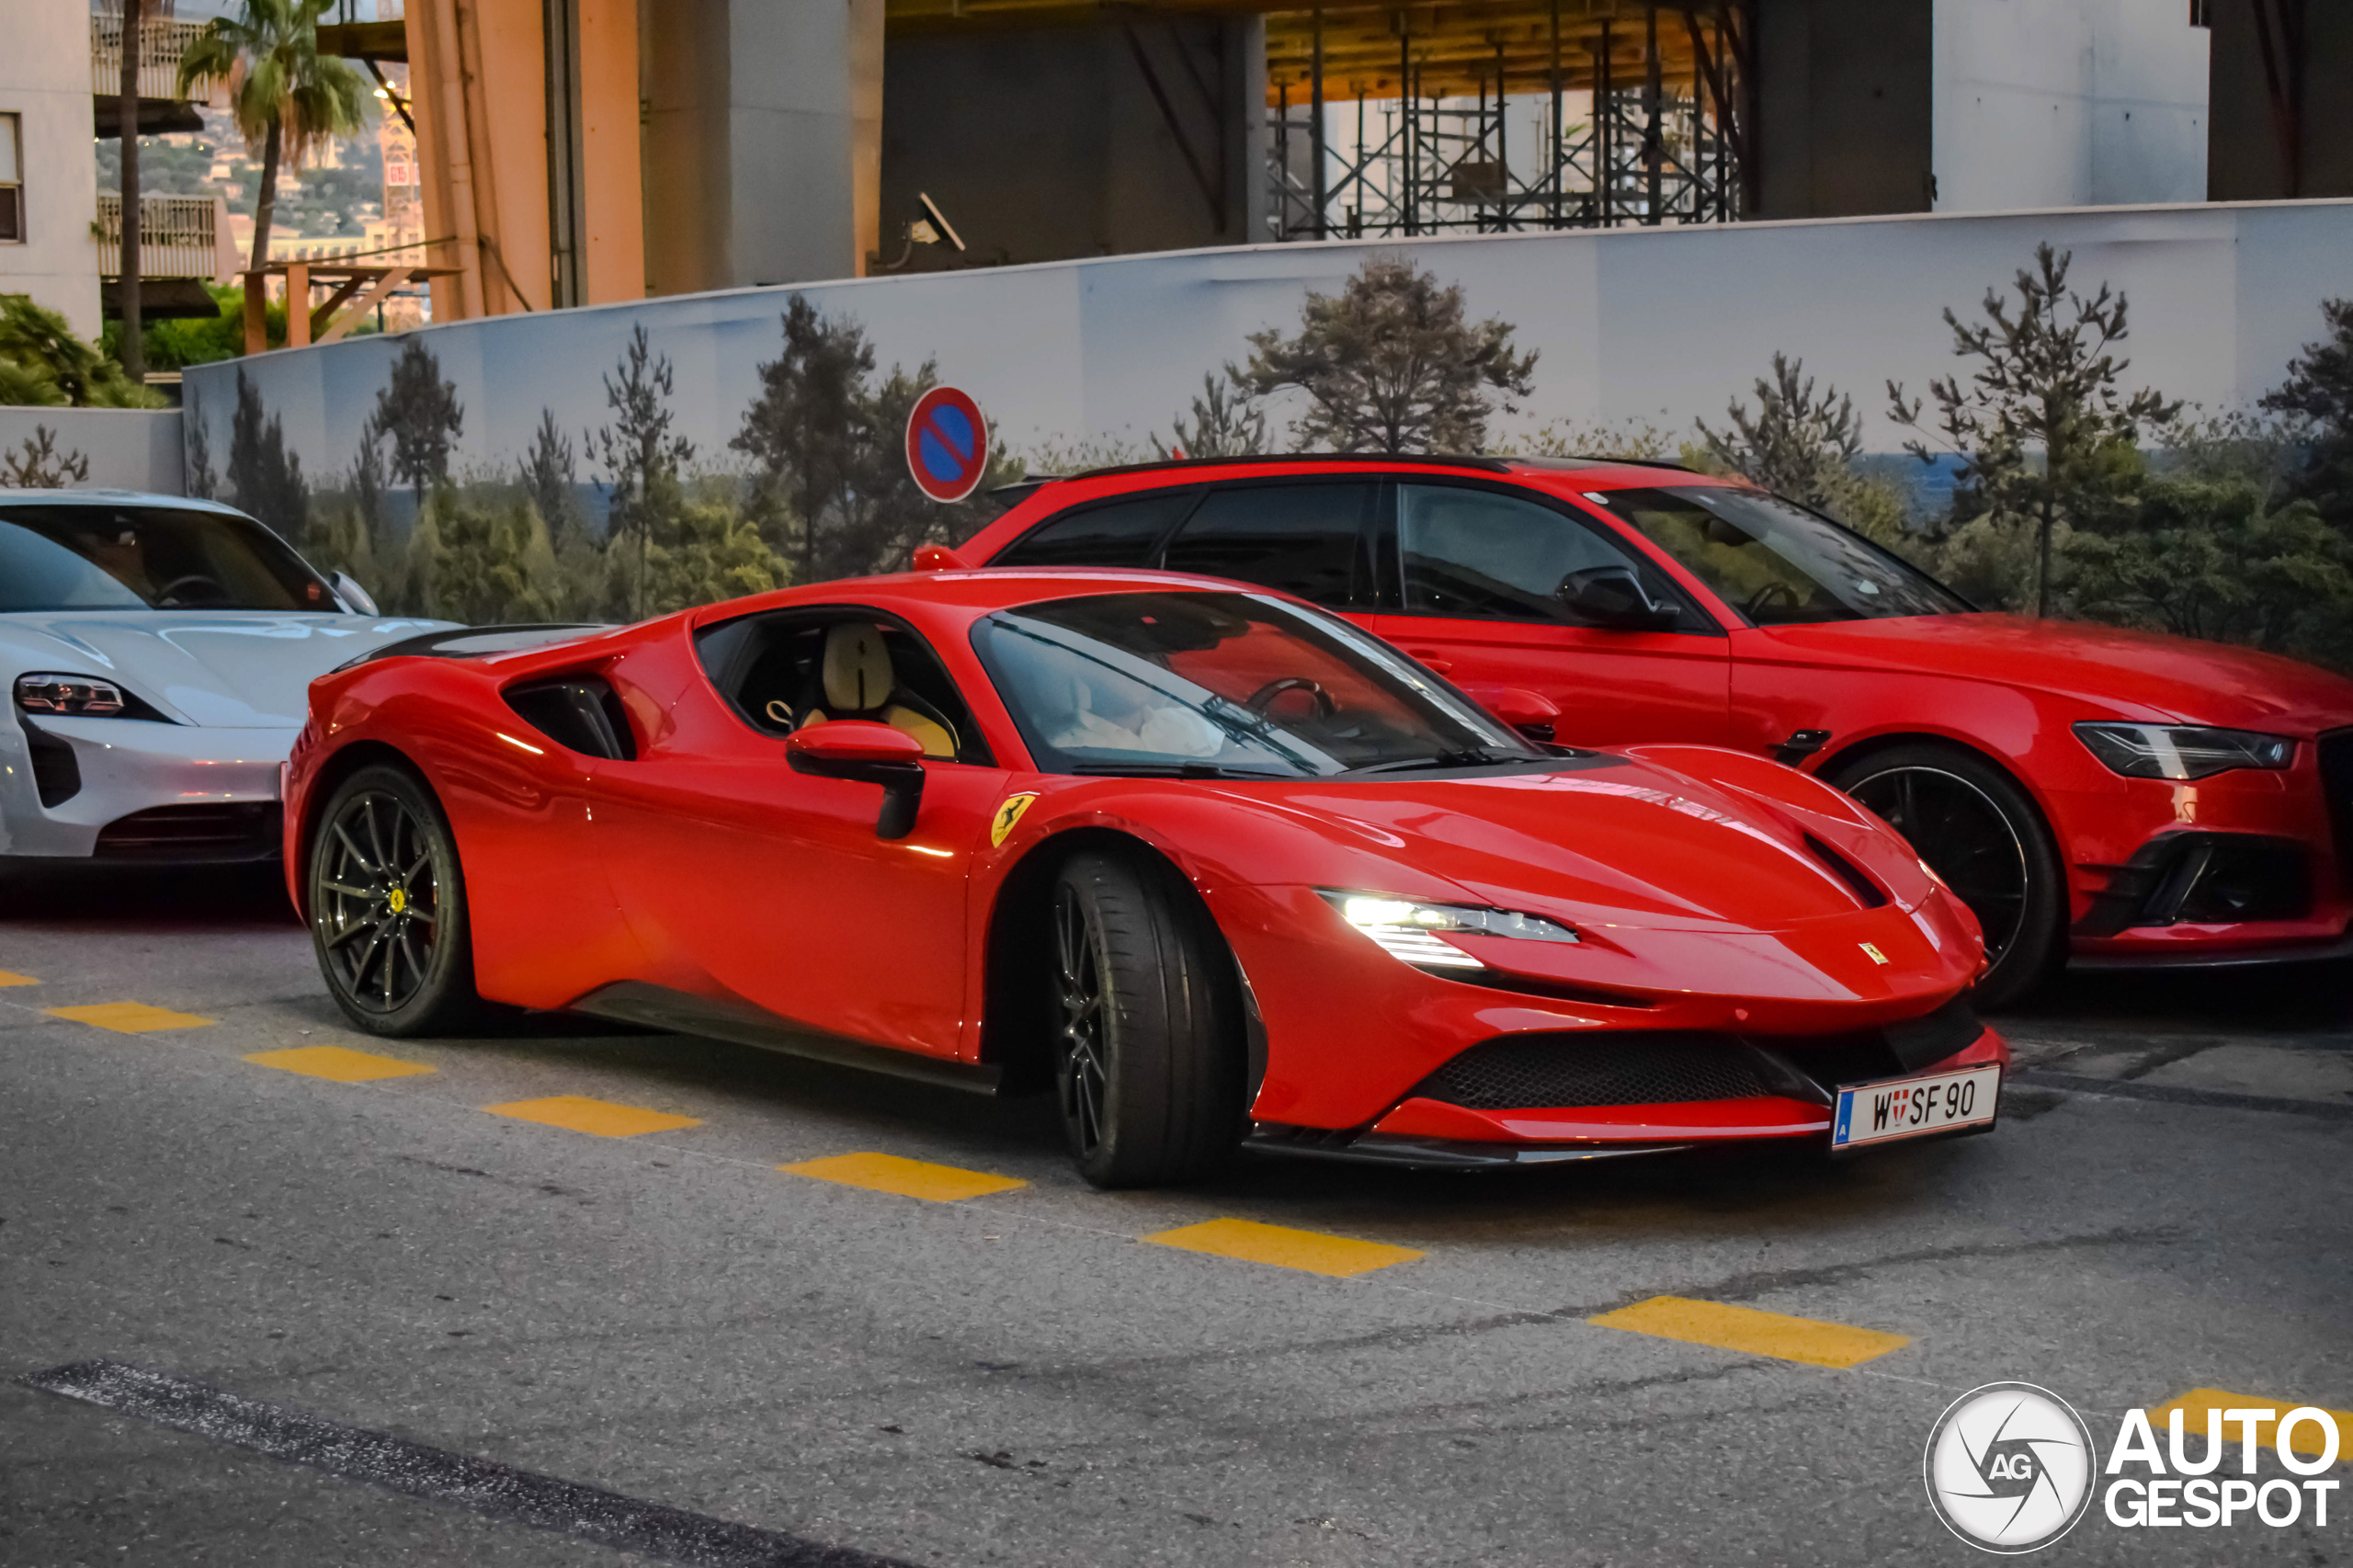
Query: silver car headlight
(2175, 751)
(73, 696)
(1407, 928)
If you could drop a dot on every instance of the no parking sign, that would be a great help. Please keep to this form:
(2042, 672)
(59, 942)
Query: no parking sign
(948, 443)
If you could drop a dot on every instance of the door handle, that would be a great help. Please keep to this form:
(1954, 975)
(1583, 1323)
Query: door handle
(1429, 659)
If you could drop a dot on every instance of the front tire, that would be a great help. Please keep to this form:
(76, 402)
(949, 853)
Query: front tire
(1148, 1056)
(1971, 823)
(388, 907)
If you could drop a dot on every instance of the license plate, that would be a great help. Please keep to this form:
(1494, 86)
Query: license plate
(1891, 1109)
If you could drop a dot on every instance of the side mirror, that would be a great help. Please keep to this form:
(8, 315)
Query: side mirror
(869, 754)
(1614, 597)
(938, 557)
(1530, 713)
(353, 595)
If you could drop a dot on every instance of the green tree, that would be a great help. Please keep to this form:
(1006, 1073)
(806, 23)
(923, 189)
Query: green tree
(44, 365)
(421, 413)
(1806, 444)
(1227, 423)
(808, 428)
(2045, 436)
(1391, 364)
(368, 480)
(714, 552)
(286, 98)
(551, 476)
(2318, 393)
(493, 560)
(643, 452)
(265, 479)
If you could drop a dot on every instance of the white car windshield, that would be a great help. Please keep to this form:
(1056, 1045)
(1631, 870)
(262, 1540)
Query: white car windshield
(96, 557)
(1223, 682)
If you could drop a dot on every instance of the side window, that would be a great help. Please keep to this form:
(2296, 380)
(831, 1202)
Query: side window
(12, 178)
(1475, 552)
(786, 671)
(1110, 533)
(1303, 539)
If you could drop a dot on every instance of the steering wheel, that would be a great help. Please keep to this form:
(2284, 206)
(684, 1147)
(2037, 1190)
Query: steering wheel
(169, 592)
(1765, 595)
(1264, 698)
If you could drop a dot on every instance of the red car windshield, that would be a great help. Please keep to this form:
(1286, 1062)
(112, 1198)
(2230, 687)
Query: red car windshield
(1775, 562)
(93, 557)
(1223, 683)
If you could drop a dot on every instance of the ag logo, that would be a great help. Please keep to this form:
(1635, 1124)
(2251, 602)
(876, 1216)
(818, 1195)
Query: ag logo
(2009, 1467)
(1006, 815)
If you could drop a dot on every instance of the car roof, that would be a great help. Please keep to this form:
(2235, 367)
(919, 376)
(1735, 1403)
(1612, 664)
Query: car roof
(101, 497)
(967, 595)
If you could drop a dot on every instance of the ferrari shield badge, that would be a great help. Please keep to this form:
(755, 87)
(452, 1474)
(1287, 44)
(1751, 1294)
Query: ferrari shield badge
(1006, 815)
(1871, 950)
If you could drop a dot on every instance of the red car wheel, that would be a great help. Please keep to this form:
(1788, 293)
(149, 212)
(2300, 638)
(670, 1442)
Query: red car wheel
(1148, 1052)
(388, 907)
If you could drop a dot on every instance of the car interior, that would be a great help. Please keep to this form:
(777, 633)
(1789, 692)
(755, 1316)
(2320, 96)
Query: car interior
(794, 671)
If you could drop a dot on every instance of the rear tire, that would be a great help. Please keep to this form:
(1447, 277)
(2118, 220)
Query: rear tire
(388, 907)
(1980, 833)
(1148, 1048)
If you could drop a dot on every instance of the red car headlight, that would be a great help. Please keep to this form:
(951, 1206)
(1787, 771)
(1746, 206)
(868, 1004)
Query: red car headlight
(1408, 929)
(2182, 751)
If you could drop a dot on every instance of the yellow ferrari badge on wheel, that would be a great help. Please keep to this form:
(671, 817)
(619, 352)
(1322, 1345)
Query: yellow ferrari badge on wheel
(397, 899)
(1006, 815)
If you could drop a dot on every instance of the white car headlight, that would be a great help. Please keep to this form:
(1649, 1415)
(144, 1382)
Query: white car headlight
(2177, 751)
(1407, 929)
(76, 697)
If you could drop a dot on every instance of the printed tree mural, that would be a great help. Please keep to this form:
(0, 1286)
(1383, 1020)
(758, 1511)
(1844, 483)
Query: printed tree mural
(265, 479)
(1805, 446)
(550, 477)
(1227, 421)
(420, 413)
(1391, 363)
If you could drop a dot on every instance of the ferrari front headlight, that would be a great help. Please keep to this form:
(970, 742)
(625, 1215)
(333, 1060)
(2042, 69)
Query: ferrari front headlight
(1408, 929)
(75, 697)
(2182, 751)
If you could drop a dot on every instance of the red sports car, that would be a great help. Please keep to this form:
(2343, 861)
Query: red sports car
(2118, 797)
(1210, 861)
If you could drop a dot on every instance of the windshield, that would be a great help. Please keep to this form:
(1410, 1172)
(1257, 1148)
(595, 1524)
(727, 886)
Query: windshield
(1214, 683)
(1775, 562)
(86, 557)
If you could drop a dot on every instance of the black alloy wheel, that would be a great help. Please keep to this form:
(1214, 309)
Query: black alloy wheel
(387, 906)
(1148, 1042)
(1976, 829)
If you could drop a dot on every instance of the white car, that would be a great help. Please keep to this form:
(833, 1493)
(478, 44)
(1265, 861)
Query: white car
(157, 654)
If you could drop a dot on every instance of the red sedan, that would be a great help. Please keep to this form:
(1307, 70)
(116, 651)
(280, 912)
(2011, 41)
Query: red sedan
(1210, 862)
(2118, 797)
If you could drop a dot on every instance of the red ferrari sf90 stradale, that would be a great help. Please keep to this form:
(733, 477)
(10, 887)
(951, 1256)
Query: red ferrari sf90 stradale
(1212, 863)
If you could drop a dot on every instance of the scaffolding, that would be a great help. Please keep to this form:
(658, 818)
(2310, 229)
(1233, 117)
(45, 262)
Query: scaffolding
(1600, 130)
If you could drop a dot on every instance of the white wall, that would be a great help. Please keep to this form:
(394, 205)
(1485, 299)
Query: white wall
(45, 79)
(127, 449)
(2067, 103)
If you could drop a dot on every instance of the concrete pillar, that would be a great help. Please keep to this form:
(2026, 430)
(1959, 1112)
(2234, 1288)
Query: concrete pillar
(2249, 150)
(1846, 106)
(45, 83)
(761, 139)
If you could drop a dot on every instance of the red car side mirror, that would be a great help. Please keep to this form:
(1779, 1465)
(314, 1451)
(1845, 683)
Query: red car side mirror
(867, 752)
(1530, 713)
(938, 557)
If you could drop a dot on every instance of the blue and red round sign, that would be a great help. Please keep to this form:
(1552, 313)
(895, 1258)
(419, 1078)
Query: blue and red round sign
(948, 443)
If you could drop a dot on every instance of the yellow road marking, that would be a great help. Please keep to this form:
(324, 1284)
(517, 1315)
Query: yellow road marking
(908, 1178)
(1311, 1251)
(338, 1064)
(7, 978)
(2305, 1440)
(1753, 1333)
(127, 1017)
(577, 1113)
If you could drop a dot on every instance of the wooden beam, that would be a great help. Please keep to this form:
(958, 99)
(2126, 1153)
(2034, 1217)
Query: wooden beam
(298, 304)
(256, 312)
(393, 278)
(343, 290)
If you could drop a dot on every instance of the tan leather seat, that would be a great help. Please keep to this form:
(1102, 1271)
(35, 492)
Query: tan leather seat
(860, 683)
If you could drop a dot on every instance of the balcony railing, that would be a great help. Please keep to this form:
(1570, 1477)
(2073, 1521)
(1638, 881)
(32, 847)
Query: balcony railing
(179, 236)
(162, 41)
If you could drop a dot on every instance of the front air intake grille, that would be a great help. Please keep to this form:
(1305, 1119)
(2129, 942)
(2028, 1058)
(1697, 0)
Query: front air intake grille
(2337, 784)
(239, 830)
(1532, 1071)
(57, 776)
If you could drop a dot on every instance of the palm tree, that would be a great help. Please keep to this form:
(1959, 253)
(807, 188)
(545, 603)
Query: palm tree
(286, 98)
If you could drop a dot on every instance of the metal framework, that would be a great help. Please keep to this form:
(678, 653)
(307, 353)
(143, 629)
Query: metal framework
(1586, 137)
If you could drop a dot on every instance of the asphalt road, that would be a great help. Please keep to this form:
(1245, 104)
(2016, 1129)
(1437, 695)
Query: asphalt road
(467, 1336)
